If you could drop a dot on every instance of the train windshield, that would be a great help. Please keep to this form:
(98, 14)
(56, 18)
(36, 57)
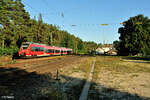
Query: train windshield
(25, 46)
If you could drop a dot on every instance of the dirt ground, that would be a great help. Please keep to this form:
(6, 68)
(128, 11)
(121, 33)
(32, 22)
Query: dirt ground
(114, 78)
(36, 79)
(42, 65)
(119, 79)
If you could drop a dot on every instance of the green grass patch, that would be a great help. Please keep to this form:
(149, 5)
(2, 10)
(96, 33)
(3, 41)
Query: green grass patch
(116, 64)
(86, 66)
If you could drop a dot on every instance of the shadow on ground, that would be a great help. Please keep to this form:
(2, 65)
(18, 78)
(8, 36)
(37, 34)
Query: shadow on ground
(22, 85)
(137, 58)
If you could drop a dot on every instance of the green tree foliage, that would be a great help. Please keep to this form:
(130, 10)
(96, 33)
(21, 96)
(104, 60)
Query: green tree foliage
(91, 45)
(116, 45)
(16, 27)
(14, 20)
(134, 36)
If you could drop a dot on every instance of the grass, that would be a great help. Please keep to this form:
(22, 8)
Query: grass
(72, 93)
(117, 67)
(86, 66)
(5, 60)
(72, 80)
(26, 65)
(54, 95)
(116, 64)
(12, 62)
(9, 62)
(1, 64)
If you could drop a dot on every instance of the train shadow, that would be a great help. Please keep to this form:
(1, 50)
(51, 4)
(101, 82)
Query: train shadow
(23, 85)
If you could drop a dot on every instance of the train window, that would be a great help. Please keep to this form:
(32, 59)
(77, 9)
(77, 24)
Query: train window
(52, 51)
(25, 46)
(37, 49)
(33, 48)
(46, 51)
(57, 51)
(49, 51)
(41, 49)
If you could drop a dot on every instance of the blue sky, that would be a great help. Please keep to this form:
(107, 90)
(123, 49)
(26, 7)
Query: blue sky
(88, 15)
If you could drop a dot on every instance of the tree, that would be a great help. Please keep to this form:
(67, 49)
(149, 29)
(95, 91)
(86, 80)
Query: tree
(4, 18)
(134, 36)
(14, 19)
(80, 45)
(16, 27)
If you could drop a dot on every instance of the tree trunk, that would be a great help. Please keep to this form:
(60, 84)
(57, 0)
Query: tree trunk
(3, 43)
(51, 38)
(3, 40)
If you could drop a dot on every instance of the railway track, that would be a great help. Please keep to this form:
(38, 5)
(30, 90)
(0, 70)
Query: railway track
(38, 59)
(21, 63)
(33, 75)
(19, 70)
(39, 66)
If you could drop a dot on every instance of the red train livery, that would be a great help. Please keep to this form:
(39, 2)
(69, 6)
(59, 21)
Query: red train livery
(36, 49)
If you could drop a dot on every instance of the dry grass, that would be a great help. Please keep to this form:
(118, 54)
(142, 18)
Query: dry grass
(5, 60)
(72, 80)
(115, 78)
(86, 66)
(116, 64)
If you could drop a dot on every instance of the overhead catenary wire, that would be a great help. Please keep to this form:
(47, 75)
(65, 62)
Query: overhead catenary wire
(72, 25)
(100, 24)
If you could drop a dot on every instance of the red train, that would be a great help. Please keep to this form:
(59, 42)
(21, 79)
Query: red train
(36, 49)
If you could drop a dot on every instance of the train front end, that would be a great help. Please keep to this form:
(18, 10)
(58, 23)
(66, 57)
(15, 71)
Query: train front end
(24, 49)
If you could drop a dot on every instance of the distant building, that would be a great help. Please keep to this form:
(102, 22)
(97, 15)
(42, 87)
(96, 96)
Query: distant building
(106, 49)
(112, 52)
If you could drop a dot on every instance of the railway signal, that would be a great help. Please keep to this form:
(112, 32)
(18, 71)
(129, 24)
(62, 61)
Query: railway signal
(123, 23)
(138, 23)
(104, 24)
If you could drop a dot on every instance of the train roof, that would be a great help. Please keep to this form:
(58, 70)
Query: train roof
(34, 43)
(48, 47)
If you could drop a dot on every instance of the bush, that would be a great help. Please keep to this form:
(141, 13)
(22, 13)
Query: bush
(8, 51)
